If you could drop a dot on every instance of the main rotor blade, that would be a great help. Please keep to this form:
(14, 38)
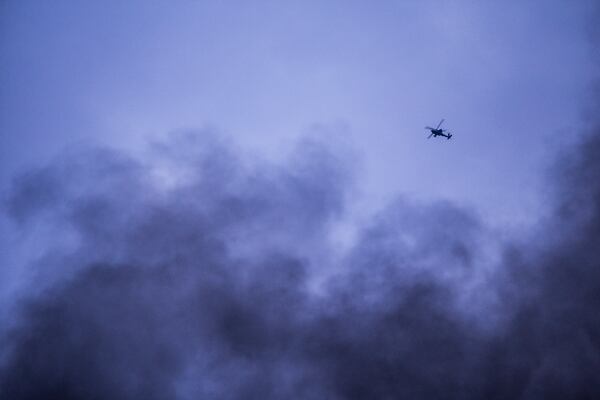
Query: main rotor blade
(438, 127)
(428, 127)
(430, 136)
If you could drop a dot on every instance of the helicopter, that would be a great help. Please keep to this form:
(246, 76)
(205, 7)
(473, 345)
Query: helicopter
(435, 132)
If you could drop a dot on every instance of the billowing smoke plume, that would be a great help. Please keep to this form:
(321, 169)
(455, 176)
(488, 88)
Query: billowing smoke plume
(210, 277)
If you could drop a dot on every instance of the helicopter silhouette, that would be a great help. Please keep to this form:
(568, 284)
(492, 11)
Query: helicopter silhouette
(435, 132)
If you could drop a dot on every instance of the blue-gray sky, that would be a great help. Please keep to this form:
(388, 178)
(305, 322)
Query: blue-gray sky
(510, 78)
(298, 236)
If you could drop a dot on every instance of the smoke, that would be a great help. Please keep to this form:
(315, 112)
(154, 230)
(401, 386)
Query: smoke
(195, 273)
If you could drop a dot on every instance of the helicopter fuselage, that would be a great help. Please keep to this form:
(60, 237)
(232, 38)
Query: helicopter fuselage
(440, 132)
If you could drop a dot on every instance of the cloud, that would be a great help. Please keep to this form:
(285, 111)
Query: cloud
(191, 274)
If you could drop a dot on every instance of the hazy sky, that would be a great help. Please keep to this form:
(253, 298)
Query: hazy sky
(210, 265)
(509, 77)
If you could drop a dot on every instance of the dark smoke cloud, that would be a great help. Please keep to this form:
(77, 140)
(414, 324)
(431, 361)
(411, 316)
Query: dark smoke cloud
(219, 279)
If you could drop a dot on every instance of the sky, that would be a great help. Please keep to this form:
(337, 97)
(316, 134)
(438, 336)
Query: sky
(224, 199)
(510, 80)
